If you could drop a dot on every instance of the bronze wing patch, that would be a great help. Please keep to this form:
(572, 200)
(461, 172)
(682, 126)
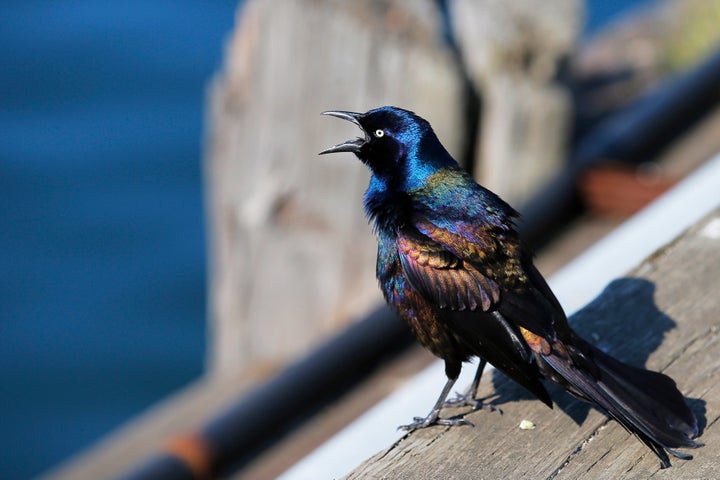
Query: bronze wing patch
(442, 278)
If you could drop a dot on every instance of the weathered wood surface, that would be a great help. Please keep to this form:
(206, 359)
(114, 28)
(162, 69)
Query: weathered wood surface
(664, 315)
(513, 52)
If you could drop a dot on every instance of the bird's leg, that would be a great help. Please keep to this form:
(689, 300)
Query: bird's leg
(469, 397)
(433, 418)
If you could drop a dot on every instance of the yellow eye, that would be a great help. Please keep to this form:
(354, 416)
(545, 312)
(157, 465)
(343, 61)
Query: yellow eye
(379, 133)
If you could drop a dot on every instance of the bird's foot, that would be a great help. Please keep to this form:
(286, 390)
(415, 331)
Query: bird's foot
(434, 419)
(468, 400)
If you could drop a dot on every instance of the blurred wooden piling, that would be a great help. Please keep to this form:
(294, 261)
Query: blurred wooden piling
(514, 53)
(292, 257)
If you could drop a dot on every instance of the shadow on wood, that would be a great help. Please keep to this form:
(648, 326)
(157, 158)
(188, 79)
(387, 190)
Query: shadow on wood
(625, 308)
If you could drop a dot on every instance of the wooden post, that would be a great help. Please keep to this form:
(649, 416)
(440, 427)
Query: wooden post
(513, 52)
(292, 257)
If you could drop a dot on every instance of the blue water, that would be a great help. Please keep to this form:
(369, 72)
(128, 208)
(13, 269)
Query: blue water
(102, 243)
(601, 12)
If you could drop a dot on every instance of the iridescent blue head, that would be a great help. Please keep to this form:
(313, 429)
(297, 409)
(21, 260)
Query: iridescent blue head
(400, 147)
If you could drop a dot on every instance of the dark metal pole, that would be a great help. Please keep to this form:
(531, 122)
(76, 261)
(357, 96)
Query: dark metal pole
(276, 407)
(281, 404)
(162, 467)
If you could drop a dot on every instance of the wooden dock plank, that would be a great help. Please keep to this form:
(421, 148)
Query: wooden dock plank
(664, 315)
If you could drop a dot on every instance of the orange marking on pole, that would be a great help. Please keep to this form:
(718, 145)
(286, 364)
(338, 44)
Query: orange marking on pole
(194, 452)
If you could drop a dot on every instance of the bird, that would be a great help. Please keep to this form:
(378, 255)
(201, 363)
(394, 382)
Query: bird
(451, 264)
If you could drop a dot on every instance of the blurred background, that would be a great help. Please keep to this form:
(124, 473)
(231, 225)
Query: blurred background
(102, 244)
(110, 112)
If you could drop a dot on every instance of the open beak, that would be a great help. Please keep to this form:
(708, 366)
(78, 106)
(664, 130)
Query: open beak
(354, 145)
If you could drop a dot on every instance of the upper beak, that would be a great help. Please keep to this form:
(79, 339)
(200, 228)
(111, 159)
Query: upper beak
(350, 145)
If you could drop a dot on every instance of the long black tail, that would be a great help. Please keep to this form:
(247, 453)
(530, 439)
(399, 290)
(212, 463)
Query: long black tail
(646, 403)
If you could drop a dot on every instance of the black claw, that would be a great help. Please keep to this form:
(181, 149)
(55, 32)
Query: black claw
(467, 400)
(452, 422)
(433, 419)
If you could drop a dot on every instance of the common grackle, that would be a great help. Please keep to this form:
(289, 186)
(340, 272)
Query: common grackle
(451, 264)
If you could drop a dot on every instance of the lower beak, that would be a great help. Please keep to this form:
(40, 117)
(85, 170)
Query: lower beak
(354, 145)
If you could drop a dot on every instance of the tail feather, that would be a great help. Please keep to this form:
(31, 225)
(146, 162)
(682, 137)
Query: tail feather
(646, 403)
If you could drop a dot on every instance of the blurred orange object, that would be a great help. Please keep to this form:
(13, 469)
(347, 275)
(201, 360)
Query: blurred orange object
(619, 190)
